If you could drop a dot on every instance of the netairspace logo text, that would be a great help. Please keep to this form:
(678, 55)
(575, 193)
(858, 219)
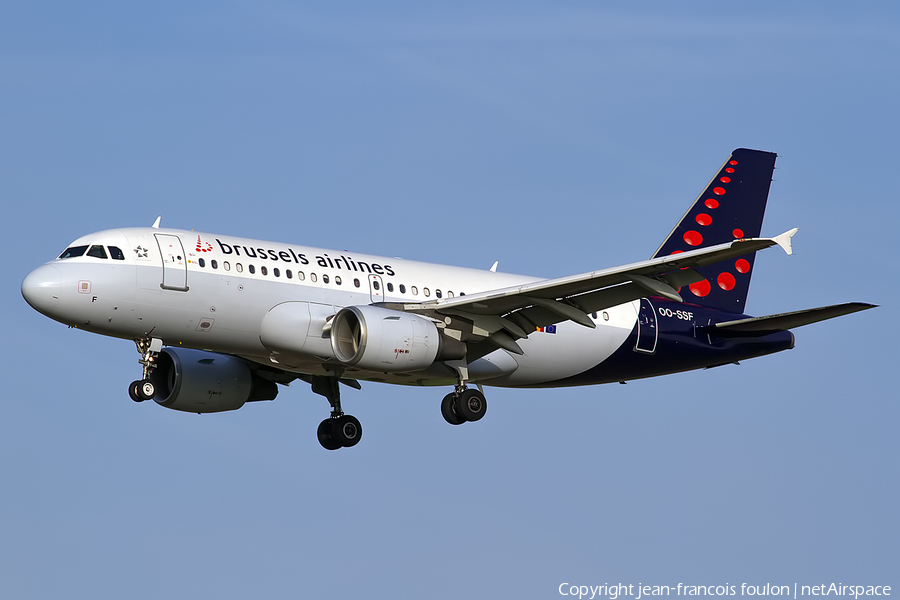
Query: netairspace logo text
(640, 591)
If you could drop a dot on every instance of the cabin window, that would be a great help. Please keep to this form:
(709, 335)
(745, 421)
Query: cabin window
(390, 287)
(263, 269)
(376, 285)
(427, 292)
(301, 276)
(74, 251)
(214, 264)
(288, 274)
(226, 265)
(276, 272)
(324, 278)
(356, 283)
(97, 252)
(201, 262)
(312, 277)
(414, 290)
(437, 293)
(449, 294)
(605, 316)
(337, 279)
(252, 269)
(402, 289)
(239, 267)
(116, 253)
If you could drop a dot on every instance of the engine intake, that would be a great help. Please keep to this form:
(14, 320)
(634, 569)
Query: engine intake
(380, 339)
(206, 382)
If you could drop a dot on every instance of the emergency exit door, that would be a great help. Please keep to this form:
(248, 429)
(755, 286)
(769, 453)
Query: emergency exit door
(376, 288)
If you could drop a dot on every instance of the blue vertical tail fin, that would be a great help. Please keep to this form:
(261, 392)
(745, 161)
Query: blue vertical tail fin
(731, 207)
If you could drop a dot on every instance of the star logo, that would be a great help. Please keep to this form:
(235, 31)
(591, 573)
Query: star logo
(141, 252)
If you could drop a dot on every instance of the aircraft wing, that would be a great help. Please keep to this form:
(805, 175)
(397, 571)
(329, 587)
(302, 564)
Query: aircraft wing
(511, 313)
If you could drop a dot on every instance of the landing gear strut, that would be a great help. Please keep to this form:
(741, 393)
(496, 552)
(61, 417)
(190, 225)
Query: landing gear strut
(339, 430)
(144, 388)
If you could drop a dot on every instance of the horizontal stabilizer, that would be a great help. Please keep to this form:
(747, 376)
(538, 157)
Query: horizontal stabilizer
(785, 321)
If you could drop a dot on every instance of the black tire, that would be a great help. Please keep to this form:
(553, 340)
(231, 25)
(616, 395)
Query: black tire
(471, 405)
(448, 410)
(347, 431)
(134, 391)
(146, 389)
(324, 433)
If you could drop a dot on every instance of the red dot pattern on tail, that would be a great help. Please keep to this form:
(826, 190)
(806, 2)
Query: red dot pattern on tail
(700, 289)
(726, 280)
(693, 238)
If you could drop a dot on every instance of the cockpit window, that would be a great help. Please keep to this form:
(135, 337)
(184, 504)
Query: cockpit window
(97, 252)
(116, 253)
(73, 252)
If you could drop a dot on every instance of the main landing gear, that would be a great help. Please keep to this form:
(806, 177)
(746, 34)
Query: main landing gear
(144, 388)
(463, 405)
(338, 430)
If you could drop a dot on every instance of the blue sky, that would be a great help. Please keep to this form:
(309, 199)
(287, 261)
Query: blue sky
(554, 137)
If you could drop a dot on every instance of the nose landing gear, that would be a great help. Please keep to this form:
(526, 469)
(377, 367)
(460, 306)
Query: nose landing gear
(145, 389)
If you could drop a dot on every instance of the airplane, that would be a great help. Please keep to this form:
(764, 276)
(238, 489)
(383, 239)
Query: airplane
(220, 321)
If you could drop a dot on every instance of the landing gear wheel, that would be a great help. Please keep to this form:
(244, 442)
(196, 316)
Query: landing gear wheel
(449, 411)
(471, 405)
(346, 431)
(146, 389)
(340, 430)
(134, 390)
(324, 433)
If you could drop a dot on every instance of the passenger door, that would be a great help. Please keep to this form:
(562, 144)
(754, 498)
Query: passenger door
(174, 262)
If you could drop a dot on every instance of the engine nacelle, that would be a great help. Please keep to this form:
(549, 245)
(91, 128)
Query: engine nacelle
(206, 382)
(380, 339)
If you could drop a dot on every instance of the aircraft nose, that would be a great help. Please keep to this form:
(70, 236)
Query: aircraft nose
(41, 288)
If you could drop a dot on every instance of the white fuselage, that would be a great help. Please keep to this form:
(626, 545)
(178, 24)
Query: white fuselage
(212, 292)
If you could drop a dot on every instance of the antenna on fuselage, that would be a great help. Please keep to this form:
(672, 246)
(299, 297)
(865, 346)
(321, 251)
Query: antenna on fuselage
(156, 222)
(494, 267)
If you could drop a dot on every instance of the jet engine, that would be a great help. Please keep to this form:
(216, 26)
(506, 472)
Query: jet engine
(206, 382)
(380, 339)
